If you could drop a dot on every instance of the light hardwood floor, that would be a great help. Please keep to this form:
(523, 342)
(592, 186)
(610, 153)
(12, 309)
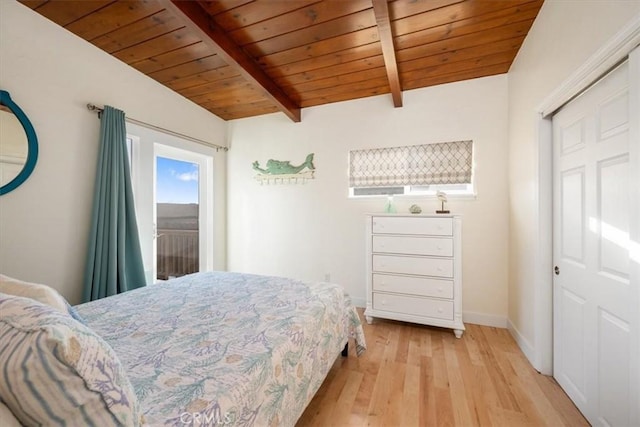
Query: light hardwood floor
(414, 375)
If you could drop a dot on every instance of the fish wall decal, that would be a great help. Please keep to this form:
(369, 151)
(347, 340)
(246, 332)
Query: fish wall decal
(284, 167)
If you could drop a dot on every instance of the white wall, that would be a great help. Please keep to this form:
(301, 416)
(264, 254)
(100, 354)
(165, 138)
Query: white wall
(52, 74)
(309, 231)
(564, 35)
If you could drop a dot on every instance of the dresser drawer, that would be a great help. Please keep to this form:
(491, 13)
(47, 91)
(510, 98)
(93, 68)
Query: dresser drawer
(409, 245)
(441, 309)
(422, 286)
(413, 265)
(400, 225)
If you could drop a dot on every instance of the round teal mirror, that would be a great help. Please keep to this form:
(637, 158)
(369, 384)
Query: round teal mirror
(18, 145)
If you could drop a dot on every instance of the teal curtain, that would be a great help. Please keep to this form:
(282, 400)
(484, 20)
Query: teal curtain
(114, 260)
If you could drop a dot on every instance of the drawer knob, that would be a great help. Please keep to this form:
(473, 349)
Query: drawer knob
(440, 289)
(439, 268)
(439, 247)
(439, 310)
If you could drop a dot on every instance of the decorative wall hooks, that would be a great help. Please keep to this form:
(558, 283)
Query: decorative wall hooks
(283, 172)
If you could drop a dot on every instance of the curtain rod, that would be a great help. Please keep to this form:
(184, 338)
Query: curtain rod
(98, 110)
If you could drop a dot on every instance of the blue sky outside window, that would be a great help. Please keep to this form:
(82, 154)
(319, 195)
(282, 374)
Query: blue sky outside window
(176, 181)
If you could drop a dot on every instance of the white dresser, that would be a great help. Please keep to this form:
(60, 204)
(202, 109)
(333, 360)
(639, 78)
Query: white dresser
(414, 269)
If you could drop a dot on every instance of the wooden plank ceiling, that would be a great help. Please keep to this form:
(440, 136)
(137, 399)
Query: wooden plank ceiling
(242, 58)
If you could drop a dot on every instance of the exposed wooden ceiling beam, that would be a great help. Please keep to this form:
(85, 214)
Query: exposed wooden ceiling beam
(381, 11)
(196, 19)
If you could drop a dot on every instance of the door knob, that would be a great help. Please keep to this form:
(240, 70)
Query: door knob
(556, 270)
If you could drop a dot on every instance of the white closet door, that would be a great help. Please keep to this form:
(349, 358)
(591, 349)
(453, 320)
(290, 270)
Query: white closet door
(596, 299)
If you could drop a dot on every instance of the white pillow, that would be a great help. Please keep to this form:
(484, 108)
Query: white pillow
(7, 419)
(41, 293)
(53, 367)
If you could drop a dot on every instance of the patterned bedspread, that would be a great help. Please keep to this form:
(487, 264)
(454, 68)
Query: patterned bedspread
(226, 348)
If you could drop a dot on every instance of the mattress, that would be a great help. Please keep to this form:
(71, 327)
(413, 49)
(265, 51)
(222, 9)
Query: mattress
(226, 348)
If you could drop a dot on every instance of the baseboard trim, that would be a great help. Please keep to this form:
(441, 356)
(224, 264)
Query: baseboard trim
(484, 319)
(523, 343)
(359, 302)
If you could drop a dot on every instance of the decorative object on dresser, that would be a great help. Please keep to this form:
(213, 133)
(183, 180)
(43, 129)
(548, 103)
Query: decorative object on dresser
(414, 269)
(442, 197)
(389, 207)
(415, 209)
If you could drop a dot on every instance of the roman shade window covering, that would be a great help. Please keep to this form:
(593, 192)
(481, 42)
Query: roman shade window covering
(426, 164)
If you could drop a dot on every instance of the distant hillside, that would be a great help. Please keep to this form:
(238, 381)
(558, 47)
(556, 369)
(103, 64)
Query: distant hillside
(177, 216)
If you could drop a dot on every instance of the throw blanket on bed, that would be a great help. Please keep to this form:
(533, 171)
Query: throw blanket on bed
(226, 348)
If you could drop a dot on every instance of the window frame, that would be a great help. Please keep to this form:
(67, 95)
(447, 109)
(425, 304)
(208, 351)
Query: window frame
(469, 193)
(143, 150)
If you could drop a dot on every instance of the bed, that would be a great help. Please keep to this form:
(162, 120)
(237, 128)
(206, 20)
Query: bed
(223, 348)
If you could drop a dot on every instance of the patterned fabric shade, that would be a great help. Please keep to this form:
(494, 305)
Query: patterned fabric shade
(426, 164)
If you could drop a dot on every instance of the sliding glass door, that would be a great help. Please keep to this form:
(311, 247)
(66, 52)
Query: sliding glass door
(177, 218)
(173, 190)
(181, 228)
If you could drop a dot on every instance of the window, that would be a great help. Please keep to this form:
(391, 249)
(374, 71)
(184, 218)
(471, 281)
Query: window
(412, 170)
(130, 149)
